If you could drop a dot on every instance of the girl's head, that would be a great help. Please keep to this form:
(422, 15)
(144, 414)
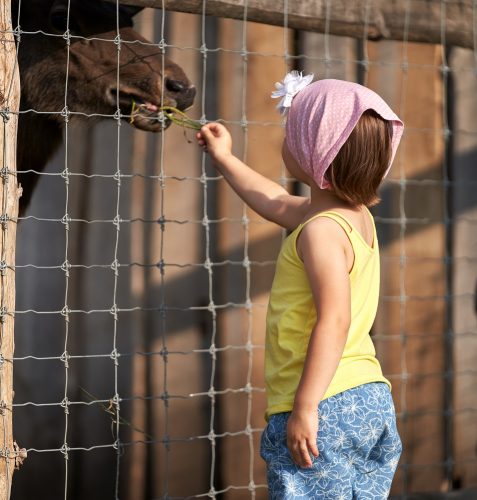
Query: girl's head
(344, 137)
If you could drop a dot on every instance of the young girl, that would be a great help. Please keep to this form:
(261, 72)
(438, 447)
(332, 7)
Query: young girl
(331, 429)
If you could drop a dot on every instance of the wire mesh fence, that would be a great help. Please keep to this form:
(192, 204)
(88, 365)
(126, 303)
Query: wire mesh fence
(142, 279)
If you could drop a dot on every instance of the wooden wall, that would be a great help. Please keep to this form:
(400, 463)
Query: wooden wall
(409, 331)
(259, 144)
(464, 250)
(412, 319)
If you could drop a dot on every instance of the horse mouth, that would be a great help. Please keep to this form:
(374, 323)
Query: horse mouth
(140, 112)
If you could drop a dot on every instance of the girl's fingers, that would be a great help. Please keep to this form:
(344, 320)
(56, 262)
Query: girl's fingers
(214, 129)
(295, 453)
(304, 455)
(201, 137)
(293, 449)
(313, 448)
(208, 133)
(213, 137)
(300, 454)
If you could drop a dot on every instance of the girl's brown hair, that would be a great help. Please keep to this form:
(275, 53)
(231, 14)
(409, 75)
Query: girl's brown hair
(359, 167)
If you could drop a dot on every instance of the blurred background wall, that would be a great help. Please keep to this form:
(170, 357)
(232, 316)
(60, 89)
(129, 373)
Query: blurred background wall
(195, 268)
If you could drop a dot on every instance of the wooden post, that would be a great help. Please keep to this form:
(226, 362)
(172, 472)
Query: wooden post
(10, 455)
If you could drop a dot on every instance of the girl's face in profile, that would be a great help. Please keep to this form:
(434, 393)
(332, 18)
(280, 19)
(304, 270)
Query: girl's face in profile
(292, 166)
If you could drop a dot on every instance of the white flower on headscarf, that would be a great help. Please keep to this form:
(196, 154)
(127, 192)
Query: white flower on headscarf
(289, 87)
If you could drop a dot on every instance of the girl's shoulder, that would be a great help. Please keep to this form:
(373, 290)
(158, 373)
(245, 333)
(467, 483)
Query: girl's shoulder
(325, 225)
(360, 224)
(323, 230)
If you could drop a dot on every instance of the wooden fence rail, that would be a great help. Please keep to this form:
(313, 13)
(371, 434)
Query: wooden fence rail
(427, 21)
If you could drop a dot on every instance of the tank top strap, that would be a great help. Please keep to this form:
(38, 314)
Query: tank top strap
(337, 217)
(353, 234)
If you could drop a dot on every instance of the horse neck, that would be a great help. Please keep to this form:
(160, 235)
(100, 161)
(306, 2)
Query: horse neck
(38, 139)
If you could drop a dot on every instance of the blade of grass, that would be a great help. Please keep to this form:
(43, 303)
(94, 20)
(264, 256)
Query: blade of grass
(111, 411)
(180, 118)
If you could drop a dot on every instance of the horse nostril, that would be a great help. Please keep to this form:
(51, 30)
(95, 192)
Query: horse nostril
(175, 85)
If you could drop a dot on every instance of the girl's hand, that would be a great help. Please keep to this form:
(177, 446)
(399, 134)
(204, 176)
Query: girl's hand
(216, 140)
(302, 432)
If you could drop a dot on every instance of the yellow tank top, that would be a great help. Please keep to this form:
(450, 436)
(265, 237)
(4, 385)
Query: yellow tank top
(291, 317)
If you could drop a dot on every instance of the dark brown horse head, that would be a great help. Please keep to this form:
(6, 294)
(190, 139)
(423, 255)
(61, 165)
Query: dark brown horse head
(110, 65)
(107, 67)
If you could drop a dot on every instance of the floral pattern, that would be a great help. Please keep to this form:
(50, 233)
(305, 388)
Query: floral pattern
(359, 449)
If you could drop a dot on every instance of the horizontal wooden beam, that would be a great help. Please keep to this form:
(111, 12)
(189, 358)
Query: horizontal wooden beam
(428, 21)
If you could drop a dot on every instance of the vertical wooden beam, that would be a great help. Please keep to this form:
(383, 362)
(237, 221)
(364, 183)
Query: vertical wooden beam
(464, 217)
(137, 466)
(246, 94)
(180, 467)
(411, 319)
(9, 195)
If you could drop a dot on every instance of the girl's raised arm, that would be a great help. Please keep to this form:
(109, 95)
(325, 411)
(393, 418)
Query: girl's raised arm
(267, 198)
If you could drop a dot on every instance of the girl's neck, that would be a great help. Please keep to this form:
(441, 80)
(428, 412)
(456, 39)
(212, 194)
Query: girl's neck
(322, 200)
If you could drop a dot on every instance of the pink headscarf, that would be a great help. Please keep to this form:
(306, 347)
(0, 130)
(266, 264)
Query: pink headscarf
(322, 117)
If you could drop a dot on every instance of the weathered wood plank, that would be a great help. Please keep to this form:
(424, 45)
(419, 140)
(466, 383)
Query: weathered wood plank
(10, 455)
(418, 21)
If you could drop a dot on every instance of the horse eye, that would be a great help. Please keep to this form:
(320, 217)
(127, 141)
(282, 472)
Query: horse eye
(59, 22)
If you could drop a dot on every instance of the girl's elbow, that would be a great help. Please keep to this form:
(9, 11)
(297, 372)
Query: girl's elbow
(278, 213)
(339, 324)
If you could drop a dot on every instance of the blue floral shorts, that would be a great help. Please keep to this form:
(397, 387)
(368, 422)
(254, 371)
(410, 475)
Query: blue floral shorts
(359, 449)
